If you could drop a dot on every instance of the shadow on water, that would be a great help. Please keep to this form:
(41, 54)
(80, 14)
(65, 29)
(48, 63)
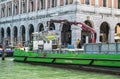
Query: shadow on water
(91, 69)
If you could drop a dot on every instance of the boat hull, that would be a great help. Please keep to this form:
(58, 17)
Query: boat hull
(71, 58)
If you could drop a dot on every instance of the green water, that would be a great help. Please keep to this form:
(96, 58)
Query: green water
(14, 70)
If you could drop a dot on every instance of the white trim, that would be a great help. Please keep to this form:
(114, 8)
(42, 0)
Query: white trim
(36, 7)
(58, 2)
(96, 3)
(112, 3)
(107, 3)
(46, 7)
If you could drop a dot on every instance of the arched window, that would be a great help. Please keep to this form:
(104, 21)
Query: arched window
(31, 30)
(32, 5)
(66, 34)
(53, 3)
(42, 4)
(15, 8)
(22, 35)
(118, 4)
(104, 32)
(52, 26)
(66, 3)
(3, 12)
(104, 3)
(87, 2)
(24, 6)
(40, 27)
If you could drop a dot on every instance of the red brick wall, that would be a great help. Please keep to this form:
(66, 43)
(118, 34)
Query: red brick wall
(115, 4)
(100, 3)
(48, 3)
(71, 1)
(110, 3)
(82, 1)
(61, 2)
(92, 2)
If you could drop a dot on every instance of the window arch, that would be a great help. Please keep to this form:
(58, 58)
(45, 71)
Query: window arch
(104, 32)
(66, 34)
(87, 2)
(117, 33)
(118, 4)
(24, 8)
(40, 27)
(66, 2)
(104, 3)
(52, 26)
(41, 4)
(31, 30)
(53, 3)
(31, 5)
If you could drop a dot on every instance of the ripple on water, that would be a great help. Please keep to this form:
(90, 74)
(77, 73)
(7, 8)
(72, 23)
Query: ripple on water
(15, 70)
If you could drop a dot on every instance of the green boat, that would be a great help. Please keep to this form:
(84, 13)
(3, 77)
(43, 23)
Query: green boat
(68, 57)
(45, 49)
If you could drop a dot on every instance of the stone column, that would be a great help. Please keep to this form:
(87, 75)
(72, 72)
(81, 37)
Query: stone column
(96, 3)
(98, 34)
(27, 6)
(11, 37)
(76, 34)
(0, 36)
(5, 35)
(112, 35)
(19, 6)
(58, 2)
(12, 7)
(27, 34)
(46, 7)
(50, 3)
(19, 35)
(112, 8)
(36, 5)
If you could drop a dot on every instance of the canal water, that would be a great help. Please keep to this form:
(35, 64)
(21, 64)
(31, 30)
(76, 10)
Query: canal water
(14, 70)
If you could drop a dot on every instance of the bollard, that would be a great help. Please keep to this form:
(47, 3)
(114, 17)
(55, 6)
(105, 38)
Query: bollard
(3, 56)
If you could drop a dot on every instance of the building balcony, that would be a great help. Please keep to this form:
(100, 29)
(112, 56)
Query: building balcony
(50, 12)
(94, 9)
(86, 8)
(117, 11)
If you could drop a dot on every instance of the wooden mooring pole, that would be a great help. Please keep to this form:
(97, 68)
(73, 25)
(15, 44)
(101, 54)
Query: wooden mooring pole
(4, 47)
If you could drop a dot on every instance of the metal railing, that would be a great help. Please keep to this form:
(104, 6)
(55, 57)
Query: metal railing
(102, 48)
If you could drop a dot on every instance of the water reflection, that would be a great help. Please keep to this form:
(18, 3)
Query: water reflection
(15, 70)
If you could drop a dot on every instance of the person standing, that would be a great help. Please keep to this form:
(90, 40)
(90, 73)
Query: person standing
(78, 42)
